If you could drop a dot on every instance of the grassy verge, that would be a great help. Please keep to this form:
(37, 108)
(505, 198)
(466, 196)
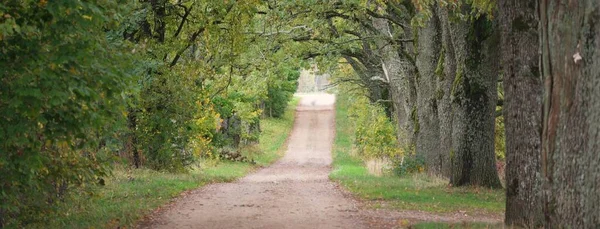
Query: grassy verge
(132, 193)
(416, 192)
(434, 225)
(274, 133)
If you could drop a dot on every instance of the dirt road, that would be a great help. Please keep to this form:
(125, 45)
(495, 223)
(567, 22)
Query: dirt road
(295, 192)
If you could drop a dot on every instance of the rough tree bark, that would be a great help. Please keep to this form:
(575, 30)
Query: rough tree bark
(407, 84)
(474, 94)
(522, 111)
(428, 137)
(570, 157)
(445, 72)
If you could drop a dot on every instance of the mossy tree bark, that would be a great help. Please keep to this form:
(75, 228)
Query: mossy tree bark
(522, 117)
(428, 137)
(474, 100)
(445, 72)
(570, 159)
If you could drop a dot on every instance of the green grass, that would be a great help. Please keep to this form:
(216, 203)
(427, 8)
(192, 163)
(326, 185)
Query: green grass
(130, 194)
(413, 192)
(466, 225)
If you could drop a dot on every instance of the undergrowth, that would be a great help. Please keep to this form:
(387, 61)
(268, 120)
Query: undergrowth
(408, 192)
(130, 194)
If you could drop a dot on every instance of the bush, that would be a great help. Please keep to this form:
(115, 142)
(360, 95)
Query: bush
(240, 120)
(409, 164)
(61, 100)
(280, 92)
(375, 134)
(167, 122)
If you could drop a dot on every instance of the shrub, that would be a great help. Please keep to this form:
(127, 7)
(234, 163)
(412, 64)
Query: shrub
(413, 163)
(375, 134)
(61, 100)
(240, 119)
(280, 92)
(169, 104)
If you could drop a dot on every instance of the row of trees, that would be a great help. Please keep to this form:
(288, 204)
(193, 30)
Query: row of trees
(154, 83)
(443, 69)
(432, 65)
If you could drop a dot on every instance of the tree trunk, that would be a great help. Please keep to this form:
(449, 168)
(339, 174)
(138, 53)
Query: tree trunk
(522, 117)
(407, 85)
(132, 125)
(445, 72)
(428, 137)
(392, 68)
(570, 159)
(474, 94)
(405, 81)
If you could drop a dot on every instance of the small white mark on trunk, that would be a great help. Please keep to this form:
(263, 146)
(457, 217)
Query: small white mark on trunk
(577, 57)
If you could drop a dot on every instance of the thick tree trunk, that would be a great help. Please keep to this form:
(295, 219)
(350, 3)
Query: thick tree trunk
(474, 94)
(571, 122)
(428, 137)
(522, 116)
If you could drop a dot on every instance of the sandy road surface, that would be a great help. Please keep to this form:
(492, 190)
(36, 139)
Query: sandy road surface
(295, 192)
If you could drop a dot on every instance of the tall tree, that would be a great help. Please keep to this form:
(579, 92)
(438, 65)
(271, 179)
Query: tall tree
(428, 55)
(474, 92)
(446, 73)
(522, 111)
(570, 160)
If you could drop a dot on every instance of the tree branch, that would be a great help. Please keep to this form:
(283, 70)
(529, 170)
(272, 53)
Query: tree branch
(183, 20)
(388, 17)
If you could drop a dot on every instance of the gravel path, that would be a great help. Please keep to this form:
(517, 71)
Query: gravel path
(295, 192)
